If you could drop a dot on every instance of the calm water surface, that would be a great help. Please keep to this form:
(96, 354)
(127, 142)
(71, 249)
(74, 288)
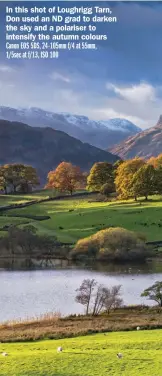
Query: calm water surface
(31, 293)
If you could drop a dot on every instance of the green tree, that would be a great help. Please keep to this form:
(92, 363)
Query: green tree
(144, 182)
(158, 180)
(108, 188)
(29, 178)
(5, 177)
(16, 175)
(100, 173)
(124, 177)
(154, 292)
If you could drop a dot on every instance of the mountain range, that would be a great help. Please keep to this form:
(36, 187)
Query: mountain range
(45, 148)
(102, 134)
(145, 144)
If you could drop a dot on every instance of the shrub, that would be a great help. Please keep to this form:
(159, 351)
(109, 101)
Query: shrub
(86, 247)
(117, 244)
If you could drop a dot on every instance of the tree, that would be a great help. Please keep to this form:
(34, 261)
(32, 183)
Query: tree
(144, 181)
(5, 180)
(108, 188)
(156, 161)
(99, 300)
(116, 165)
(154, 293)
(98, 297)
(26, 242)
(124, 177)
(65, 178)
(113, 298)
(15, 175)
(106, 299)
(158, 180)
(100, 173)
(29, 177)
(152, 161)
(85, 292)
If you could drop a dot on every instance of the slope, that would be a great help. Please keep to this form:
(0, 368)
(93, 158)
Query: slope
(145, 144)
(45, 148)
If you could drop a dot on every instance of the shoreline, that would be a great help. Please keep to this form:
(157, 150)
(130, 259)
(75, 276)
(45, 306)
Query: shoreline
(24, 262)
(55, 327)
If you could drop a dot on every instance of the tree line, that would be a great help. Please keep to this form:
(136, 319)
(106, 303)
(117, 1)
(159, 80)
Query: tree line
(132, 178)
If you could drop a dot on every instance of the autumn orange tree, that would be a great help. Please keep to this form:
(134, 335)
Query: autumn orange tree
(156, 161)
(66, 178)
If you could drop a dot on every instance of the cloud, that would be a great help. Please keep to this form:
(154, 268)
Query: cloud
(60, 77)
(6, 69)
(143, 92)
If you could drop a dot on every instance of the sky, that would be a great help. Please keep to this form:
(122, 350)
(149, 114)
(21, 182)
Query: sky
(123, 78)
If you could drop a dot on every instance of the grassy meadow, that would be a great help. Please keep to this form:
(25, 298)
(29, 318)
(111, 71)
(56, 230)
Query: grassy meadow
(78, 217)
(93, 355)
(20, 199)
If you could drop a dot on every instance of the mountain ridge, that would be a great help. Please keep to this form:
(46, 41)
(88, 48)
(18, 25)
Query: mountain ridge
(45, 148)
(102, 134)
(146, 144)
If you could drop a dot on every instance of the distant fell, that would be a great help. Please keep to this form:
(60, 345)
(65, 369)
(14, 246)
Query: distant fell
(102, 134)
(45, 148)
(145, 144)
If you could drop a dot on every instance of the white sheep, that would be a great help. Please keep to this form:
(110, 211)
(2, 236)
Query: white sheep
(138, 327)
(59, 349)
(119, 355)
(4, 354)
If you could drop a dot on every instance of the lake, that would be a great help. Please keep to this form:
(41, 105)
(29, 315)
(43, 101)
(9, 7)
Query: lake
(25, 294)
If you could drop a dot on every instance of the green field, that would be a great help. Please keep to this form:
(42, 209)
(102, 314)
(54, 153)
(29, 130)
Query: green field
(87, 356)
(17, 199)
(75, 218)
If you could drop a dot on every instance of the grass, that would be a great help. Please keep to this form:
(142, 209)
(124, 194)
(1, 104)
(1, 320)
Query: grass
(75, 218)
(93, 355)
(20, 199)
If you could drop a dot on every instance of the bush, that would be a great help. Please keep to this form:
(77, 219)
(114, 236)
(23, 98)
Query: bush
(114, 244)
(86, 247)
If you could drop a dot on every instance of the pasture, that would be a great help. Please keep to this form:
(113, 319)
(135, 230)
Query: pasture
(75, 218)
(93, 355)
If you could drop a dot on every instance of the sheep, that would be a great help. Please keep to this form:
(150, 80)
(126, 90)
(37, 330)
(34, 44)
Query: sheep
(138, 327)
(119, 356)
(4, 354)
(59, 349)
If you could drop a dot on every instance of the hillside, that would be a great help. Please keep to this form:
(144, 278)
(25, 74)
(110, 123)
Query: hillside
(145, 144)
(45, 148)
(102, 134)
